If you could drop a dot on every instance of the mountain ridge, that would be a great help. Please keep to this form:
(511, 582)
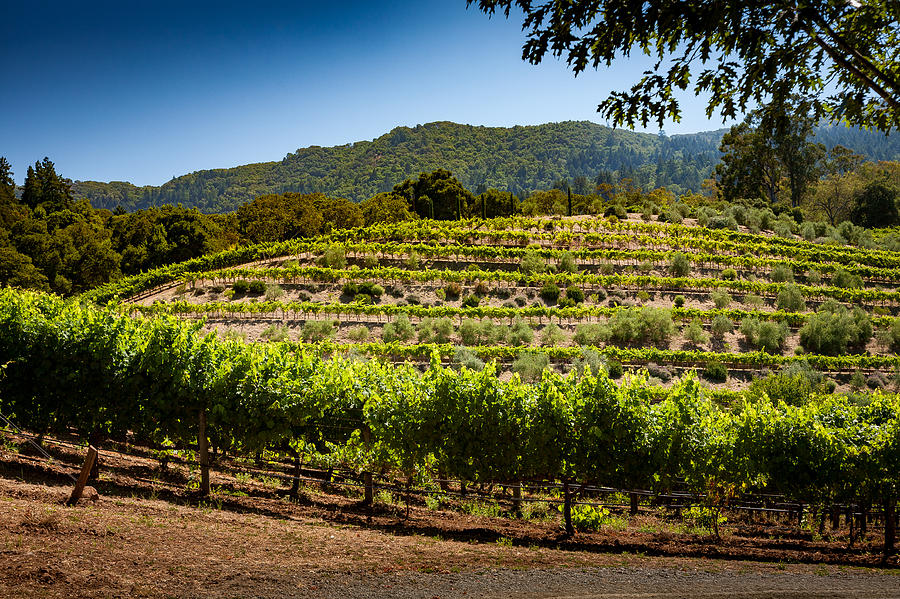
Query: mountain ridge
(519, 159)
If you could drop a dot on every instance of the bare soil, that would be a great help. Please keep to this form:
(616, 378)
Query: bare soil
(147, 536)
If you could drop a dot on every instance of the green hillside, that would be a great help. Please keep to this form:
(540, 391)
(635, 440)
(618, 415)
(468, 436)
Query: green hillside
(517, 159)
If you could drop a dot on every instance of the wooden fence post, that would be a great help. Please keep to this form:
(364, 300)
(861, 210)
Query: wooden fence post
(83, 477)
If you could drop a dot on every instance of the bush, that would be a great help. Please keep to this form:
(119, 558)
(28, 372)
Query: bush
(721, 325)
(471, 301)
(782, 273)
(464, 357)
(370, 261)
(834, 329)
(679, 265)
(614, 369)
(663, 373)
(721, 298)
(729, 274)
(592, 333)
(275, 333)
(643, 295)
(552, 336)
(765, 336)
(695, 334)
(566, 302)
(520, 301)
(532, 263)
(753, 301)
(550, 293)
(240, 287)
(641, 325)
(715, 372)
(591, 362)
(858, 381)
(435, 330)
(575, 294)
(358, 334)
(453, 290)
(616, 209)
(793, 389)
(790, 299)
(317, 330)
(567, 263)
(679, 301)
(481, 289)
(845, 279)
(274, 292)
(813, 277)
(520, 333)
(334, 256)
(723, 222)
(530, 366)
(399, 330)
(372, 289)
(350, 289)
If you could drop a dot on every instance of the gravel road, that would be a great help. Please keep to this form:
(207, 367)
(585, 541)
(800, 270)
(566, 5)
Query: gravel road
(609, 583)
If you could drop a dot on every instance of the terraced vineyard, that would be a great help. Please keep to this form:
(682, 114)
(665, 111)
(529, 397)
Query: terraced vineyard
(554, 293)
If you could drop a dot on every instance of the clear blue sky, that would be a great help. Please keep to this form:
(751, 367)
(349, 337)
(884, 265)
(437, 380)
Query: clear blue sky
(146, 90)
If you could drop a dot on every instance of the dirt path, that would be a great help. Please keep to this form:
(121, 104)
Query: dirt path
(134, 547)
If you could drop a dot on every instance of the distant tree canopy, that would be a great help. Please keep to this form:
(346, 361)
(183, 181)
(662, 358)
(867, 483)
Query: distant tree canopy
(844, 53)
(517, 160)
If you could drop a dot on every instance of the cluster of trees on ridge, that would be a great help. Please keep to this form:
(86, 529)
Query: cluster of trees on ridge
(517, 159)
(50, 240)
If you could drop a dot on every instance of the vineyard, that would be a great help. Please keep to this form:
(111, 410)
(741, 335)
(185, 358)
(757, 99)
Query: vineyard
(568, 354)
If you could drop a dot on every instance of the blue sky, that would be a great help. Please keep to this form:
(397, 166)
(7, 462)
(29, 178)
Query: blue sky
(143, 91)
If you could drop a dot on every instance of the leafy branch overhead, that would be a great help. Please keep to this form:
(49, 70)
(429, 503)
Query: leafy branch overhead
(843, 53)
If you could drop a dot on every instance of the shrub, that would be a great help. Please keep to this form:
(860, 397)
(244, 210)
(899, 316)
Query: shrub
(679, 301)
(350, 289)
(567, 302)
(435, 330)
(358, 334)
(857, 381)
(721, 325)
(370, 261)
(715, 372)
(845, 279)
(275, 333)
(663, 373)
(591, 362)
(679, 265)
(240, 287)
(464, 357)
(412, 262)
(614, 369)
(550, 292)
(834, 329)
(695, 334)
(552, 336)
(643, 295)
(471, 301)
(765, 336)
(317, 330)
(723, 222)
(592, 333)
(567, 263)
(813, 277)
(653, 325)
(372, 289)
(782, 273)
(532, 263)
(575, 294)
(616, 209)
(783, 229)
(721, 298)
(399, 330)
(607, 269)
(453, 289)
(729, 274)
(753, 301)
(520, 301)
(334, 256)
(530, 366)
(790, 299)
(520, 333)
(481, 289)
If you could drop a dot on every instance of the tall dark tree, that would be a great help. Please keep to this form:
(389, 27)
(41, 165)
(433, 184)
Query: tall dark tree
(437, 195)
(43, 187)
(876, 206)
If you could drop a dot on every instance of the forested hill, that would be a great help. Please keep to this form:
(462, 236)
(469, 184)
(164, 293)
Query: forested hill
(518, 159)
